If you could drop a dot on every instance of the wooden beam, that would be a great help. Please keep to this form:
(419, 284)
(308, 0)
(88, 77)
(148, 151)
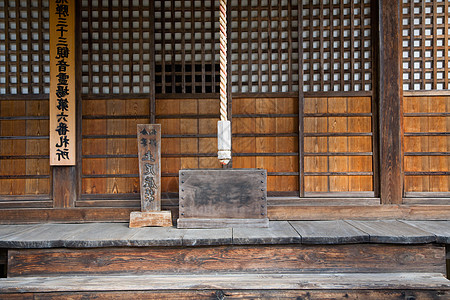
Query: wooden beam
(350, 258)
(390, 102)
(278, 212)
(406, 212)
(27, 216)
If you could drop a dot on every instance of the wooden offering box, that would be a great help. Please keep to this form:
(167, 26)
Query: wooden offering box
(214, 198)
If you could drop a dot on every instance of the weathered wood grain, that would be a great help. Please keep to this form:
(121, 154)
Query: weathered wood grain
(407, 212)
(223, 193)
(26, 216)
(391, 231)
(277, 233)
(329, 232)
(221, 223)
(391, 294)
(352, 281)
(390, 102)
(42, 236)
(207, 237)
(65, 184)
(149, 154)
(195, 260)
(150, 218)
(441, 229)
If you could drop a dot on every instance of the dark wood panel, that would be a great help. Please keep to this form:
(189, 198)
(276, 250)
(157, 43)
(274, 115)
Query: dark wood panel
(196, 260)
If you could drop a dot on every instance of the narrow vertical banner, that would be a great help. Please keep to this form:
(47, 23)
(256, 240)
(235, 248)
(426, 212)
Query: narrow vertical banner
(62, 83)
(149, 149)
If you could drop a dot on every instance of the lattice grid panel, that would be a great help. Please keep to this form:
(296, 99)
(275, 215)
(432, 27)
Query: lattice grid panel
(24, 47)
(264, 43)
(116, 38)
(186, 46)
(337, 48)
(426, 45)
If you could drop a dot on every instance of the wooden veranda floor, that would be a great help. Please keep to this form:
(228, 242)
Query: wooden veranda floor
(385, 259)
(90, 235)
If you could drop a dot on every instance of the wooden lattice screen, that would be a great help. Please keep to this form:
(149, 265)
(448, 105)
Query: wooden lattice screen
(265, 46)
(24, 88)
(426, 107)
(425, 45)
(338, 108)
(116, 42)
(186, 47)
(117, 56)
(337, 46)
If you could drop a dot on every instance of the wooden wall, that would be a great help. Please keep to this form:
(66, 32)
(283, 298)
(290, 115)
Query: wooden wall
(189, 137)
(426, 144)
(265, 135)
(24, 160)
(338, 141)
(109, 151)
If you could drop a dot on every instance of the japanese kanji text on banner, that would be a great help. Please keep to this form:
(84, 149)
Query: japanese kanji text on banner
(62, 83)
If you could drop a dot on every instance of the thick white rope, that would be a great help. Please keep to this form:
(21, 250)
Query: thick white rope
(223, 126)
(223, 60)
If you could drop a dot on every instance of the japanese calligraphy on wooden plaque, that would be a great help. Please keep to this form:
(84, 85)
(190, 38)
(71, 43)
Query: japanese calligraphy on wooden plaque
(149, 149)
(62, 82)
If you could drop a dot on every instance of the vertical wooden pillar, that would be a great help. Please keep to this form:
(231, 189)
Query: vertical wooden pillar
(390, 101)
(301, 99)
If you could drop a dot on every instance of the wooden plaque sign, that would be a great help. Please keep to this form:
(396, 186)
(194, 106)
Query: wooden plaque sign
(149, 155)
(223, 198)
(62, 83)
(149, 150)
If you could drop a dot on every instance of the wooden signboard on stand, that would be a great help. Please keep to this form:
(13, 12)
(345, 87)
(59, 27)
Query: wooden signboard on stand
(149, 150)
(214, 198)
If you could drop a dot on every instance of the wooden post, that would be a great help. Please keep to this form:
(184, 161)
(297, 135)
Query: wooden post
(390, 102)
(149, 150)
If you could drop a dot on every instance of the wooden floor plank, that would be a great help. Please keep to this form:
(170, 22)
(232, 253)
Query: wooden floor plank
(207, 237)
(14, 230)
(277, 233)
(392, 231)
(42, 236)
(157, 236)
(361, 281)
(101, 235)
(280, 232)
(329, 232)
(441, 229)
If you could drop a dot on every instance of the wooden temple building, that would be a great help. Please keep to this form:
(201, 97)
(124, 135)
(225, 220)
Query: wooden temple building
(345, 104)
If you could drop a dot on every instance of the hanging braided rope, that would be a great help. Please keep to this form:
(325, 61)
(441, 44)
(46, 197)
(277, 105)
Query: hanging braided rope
(223, 126)
(223, 60)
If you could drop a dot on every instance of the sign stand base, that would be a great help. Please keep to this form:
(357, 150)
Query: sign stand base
(150, 218)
